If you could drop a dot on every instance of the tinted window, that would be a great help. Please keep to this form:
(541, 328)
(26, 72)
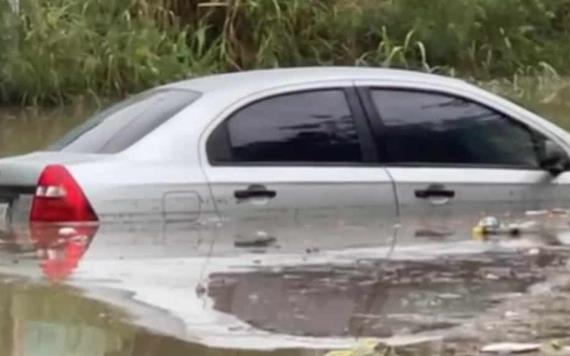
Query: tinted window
(120, 126)
(439, 129)
(304, 127)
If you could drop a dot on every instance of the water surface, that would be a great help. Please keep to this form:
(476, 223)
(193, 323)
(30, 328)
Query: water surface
(47, 320)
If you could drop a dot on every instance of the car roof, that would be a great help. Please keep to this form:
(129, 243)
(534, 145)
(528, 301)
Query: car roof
(258, 80)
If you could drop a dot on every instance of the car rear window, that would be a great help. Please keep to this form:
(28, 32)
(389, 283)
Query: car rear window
(120, 126)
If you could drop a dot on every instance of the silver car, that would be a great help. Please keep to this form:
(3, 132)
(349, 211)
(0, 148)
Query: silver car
(330, 145)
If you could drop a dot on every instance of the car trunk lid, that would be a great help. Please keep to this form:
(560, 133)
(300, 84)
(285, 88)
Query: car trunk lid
(19, 176)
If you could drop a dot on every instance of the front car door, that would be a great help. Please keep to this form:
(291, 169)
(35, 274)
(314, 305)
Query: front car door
(296, 165)
(456, 160)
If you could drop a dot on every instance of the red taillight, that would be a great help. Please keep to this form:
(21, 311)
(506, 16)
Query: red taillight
(60, 199)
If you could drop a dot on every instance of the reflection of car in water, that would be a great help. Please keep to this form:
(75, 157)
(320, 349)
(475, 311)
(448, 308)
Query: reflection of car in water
(59, 250)
(339, 148)
(372, 298)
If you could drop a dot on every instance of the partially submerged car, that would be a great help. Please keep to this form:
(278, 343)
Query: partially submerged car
(343, 145)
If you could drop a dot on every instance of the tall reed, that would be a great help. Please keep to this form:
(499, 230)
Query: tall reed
(66, 48)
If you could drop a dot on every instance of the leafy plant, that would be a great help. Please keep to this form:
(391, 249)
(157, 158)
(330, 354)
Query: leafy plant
(60, 49)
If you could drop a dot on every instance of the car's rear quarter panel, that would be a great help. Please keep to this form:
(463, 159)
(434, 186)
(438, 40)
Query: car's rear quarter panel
(158, 178)
(122, 190)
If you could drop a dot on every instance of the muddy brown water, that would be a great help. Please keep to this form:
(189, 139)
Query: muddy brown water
(61, 295)
(41, 314)
(47, 320)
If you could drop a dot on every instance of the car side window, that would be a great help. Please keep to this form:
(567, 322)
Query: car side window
(304, 127)
(432, 128)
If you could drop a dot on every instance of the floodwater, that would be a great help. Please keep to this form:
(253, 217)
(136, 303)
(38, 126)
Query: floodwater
(48, 320)
(146, 290)
(23, 130)
(187, 290)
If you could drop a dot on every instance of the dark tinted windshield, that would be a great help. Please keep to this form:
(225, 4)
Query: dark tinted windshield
(117, 128)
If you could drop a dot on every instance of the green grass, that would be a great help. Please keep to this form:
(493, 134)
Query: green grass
(60, 49)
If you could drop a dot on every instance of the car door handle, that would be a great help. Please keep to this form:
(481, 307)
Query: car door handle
(435, 191)
(255, 191)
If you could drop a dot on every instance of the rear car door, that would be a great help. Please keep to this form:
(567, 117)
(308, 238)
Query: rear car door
(455, 160)
(298, 165)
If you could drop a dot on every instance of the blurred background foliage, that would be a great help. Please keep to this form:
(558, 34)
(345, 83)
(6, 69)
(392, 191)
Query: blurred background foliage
(55, 50)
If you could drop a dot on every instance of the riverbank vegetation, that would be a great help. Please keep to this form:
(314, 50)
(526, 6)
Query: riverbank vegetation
(55, 50)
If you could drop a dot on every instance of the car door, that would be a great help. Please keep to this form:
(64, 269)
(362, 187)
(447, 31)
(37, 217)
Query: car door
(295, 167)
(455, 160)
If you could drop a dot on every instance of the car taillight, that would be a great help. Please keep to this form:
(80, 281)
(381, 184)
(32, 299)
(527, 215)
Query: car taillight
(59, 198)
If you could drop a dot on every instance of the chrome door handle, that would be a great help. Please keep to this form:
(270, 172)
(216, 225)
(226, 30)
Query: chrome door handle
(255, 191)
(435, 191)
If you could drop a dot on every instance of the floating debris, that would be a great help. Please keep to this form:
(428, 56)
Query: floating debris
(534, 252)
(493, 226)
(559, 212)
(536, 212)
(509, 348)
(432, 233)
(256, 243)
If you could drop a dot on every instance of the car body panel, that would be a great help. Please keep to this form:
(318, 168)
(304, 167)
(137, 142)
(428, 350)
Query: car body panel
(25, 170)
(335, 200)
(505, 194)
(166, 174)
(144, 191)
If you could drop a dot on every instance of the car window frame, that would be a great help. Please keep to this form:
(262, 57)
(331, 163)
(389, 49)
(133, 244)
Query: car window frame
(380, 130)
(365, 137)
